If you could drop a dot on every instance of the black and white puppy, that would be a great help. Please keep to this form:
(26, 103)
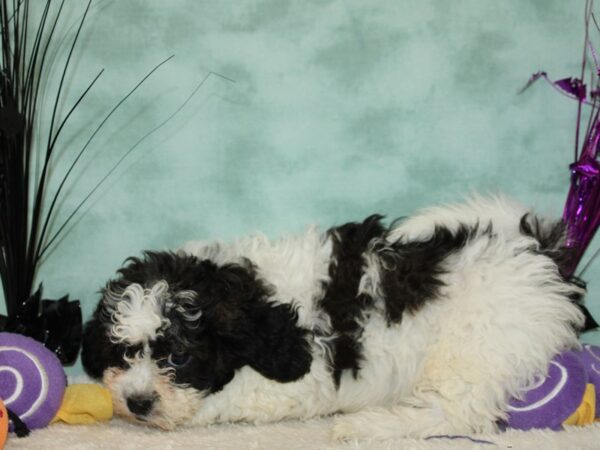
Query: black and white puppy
(425, 327)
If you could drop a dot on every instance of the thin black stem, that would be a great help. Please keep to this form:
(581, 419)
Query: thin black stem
(62, 124)
(6, 43)
(37, 42)
(594, 103)
(85, 146)
(15, 53)
(41, 182)
(58, 97)
(126, 154)
(588, 5)
(25, 32)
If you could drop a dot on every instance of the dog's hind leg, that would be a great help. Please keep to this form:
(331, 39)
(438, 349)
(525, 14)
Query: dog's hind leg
(432, 414)
(504, 312)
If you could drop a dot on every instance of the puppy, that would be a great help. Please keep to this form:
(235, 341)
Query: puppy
(425, 327)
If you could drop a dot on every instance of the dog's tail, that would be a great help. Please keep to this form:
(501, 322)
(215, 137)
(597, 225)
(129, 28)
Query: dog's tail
(551, 238)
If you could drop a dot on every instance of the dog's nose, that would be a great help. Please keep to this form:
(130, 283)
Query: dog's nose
(140, 405)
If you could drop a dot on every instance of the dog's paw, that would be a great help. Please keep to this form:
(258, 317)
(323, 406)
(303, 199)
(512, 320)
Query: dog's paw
(344, 430)
(397, 422)
(357, 425)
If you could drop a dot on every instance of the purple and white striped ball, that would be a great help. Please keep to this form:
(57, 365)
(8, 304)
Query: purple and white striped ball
(32, 380)
(553, 399)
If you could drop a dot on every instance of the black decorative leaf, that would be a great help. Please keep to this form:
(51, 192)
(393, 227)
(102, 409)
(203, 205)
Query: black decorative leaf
(55, 323)
(12, 122)
(28, 231)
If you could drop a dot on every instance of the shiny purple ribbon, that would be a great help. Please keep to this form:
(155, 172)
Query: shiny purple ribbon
(573, 87)
(570, 87)
(582, 207)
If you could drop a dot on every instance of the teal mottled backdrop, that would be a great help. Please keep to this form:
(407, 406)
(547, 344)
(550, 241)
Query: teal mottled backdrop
(339, 109)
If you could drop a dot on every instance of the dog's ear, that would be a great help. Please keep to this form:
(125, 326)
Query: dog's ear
(93, 343)
(239, 311)
(97, 351)
(270, 342)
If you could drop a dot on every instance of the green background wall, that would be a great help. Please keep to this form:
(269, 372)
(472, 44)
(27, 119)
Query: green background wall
(339, 109)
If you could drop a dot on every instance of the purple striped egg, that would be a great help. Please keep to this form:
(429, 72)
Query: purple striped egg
(32, 380)
(552, 399)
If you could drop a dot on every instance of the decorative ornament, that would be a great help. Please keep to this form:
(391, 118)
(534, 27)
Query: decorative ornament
(55, 323)
(582, 207)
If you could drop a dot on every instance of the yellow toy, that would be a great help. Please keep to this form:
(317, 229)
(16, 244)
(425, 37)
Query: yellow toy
(84, 404)
(586, 412)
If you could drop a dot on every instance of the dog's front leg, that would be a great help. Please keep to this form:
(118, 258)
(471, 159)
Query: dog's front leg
(393, 422)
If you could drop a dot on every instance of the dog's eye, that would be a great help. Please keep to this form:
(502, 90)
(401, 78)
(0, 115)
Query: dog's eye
(178, 359)
(131, 351)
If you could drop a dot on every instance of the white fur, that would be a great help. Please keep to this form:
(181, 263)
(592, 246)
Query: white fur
(297, 266)
(175, 403)
(449, 368)
(503, 213)
(138, 318)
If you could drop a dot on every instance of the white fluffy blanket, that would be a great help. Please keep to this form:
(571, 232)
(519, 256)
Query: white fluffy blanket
(292, 435)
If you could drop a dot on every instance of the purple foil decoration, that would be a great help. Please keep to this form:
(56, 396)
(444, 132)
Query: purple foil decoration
(569, 87)
(573, 87)
(582, 207)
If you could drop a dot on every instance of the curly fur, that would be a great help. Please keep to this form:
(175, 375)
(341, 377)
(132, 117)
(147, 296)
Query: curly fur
(425, 327)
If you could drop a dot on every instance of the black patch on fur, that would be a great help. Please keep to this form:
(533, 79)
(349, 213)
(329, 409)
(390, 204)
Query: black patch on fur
(551, 243)
(341, 301)
(238, 324)
(98, 353)
(410, 271)
(551, 239)
(409, 275)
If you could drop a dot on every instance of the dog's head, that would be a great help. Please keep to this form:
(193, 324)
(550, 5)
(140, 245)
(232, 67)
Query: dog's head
(172, 329)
